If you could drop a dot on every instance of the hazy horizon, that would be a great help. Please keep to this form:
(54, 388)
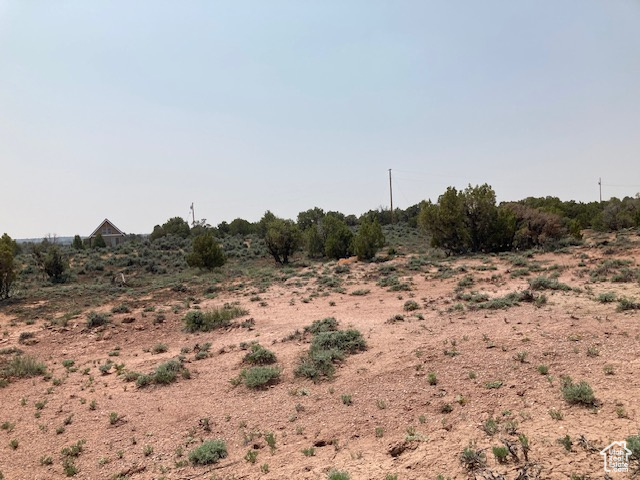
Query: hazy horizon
(132, 111)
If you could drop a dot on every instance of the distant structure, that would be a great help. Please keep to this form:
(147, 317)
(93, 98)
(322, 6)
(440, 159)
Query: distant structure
(111, 234)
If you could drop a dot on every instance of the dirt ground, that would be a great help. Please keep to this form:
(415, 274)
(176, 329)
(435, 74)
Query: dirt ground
(398, 423)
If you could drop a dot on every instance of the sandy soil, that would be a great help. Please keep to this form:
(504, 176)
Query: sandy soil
(396, 423)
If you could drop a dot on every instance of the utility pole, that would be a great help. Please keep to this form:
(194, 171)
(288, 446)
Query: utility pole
(391, 195)
(600, 186)
(193, 215)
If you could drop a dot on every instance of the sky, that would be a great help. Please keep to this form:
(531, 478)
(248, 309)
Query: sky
(133, 111)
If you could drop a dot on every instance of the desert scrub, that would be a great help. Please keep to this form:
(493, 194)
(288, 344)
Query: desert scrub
(410, 305)
(164, 374)
(260, 377)
(546, 283)
(328, 324)
(122, 308)
(159, 348)
(21, 366)
(472, 458)
(328, 348)
(607, 297)
(259, 356)
(338, 475)
(361, 292)
(627, 304)
(577, 393)
(210, 452)
(95, 319)
(199, 321)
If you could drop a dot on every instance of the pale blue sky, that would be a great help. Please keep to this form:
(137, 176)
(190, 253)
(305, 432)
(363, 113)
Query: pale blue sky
(133, 110)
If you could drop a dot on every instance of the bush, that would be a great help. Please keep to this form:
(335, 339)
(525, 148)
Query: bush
(411, 305)
(328, 324)
(328, 348)
(98, 242)
(260, 356)
(546, 283)
(55, 265)
(578, 393)
(282, 238)
(338, 475)
(206, 253)
(174, 226)
(260, 377)
(7, 270)
(95, 319)
(167, 372)
(344, 341)
(628, 304)
(633, 444)
(368, 240)
(210, 452)
(199, 321)
(337, 236)
(22, 366)
(164, 374)
(472, 458)
(607, 297)
(77, 243)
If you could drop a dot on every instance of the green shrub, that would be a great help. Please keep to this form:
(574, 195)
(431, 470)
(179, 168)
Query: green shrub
(21, 366)
(344, 341)
(168, 372)
(578, 393)
(501, 454)
(159, 348)
(361, 292)
(607, 297)
(328, 347)
(7, 269)
(628, 304)
(206, 254)
(328, 324)
(210, 452)
(338, 475)
(260, 377)
(95, 319)
(411, 305)
(472, 458)
(199, 321)
(368, 240)
(633, 444)
(55, 265)
(282, 238)
(546, 283)
(122, 308)
(260, 355)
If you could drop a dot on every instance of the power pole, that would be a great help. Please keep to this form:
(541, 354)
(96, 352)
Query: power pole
(391, 195)
(193, 215)
(600, 186)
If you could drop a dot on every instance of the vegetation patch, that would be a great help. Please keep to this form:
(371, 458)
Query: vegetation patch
(164, 374)
(20, 366)
(199, 321)
(210, 452)
(260, 377)
(546, 283)
(259, 355)
(328, 347)
(579, 393)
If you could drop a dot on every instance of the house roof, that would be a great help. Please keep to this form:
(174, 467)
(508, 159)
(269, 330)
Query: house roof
(107, 221)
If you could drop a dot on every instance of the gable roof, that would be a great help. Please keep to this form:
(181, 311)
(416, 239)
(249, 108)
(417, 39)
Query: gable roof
(107, 221)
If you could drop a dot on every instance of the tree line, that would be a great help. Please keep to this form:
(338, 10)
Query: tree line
(459, 222)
